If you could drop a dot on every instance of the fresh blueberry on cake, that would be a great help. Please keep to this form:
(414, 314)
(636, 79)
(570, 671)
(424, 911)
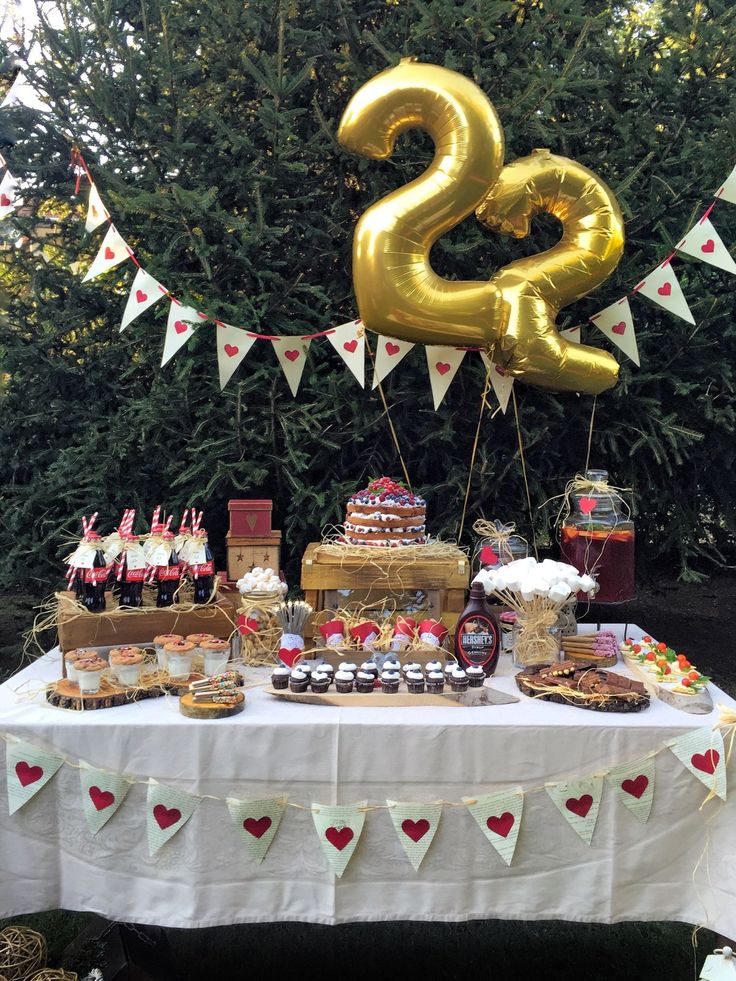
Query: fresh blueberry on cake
(386, 514)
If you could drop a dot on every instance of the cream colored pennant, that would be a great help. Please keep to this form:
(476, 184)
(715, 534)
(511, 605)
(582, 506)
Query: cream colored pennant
(97, 213)
(443, 364)
(144, 292)
(233, 343)
(8, 194)
(389, 352)
(501, 381)
(292, 355)
(113, 251)
(727, 190)
(703, 242)
(349, 342)
(179, 328)
(617, 324)
(663, 288)
(416, 825)
(571, 334)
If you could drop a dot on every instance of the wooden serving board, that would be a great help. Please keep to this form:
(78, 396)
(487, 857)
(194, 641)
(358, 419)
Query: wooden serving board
(699, 704)
(66, 694)
(402, 699)
(209, 710)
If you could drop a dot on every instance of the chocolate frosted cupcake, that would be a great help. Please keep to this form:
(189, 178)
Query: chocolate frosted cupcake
(344, 681)
(390, 682)
(435, 683)
(320, 682)
(280, 678)
(364, 682)
(414, 682)
(476, 676)
(298, 681)
(458, 680)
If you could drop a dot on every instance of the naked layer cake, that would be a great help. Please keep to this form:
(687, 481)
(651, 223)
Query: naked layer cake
(386, 514)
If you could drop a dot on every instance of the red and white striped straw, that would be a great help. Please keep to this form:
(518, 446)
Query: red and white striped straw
(126, 525)
(87, 525)
(156, 516)
(168, 523)
(196, 520)
(183, 523)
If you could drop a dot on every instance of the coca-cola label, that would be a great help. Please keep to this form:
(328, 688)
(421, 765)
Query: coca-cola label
(478, 639)
(134, 575)
(96, 575)
(203, 568)
(168, 572)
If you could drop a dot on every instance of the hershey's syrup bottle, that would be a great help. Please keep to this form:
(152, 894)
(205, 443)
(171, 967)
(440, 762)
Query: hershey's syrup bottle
(93, 590)
(477, 634)
(169, 575)
(131, 580)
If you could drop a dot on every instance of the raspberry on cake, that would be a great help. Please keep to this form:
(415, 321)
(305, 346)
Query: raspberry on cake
(386, 514)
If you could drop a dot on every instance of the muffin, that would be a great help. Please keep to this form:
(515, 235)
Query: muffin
(435, 682)
(216, 655)
(89, 674)
(458, 680)
(320, 682)
(364, 682)
(476, 676)
(414, 682)
(298, 681)
(344, 681)
(280, 678)
(390, 682)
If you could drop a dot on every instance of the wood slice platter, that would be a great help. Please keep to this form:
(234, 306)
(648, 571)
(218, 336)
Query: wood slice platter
(66, 694)
(583, 685)
(209, 710)
(402, 699)
(699, 703)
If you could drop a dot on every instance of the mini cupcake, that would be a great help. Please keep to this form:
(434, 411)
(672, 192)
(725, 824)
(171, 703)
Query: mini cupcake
(348, 666)
(216, 655)
(410, 666)
(298, 681)
(371, 668)
(364, 682)
(390, 682)
(280, 678)
(415, 682)
(89, 674)
(71, 658)
(198, 640)
(459, 680)
(433, 666)
(391, 664)
(344, 681)
(435, 683)
(327, 669)
(159, 643)
(320, 682)
(476, 676)
(449, 668)
(179, 658)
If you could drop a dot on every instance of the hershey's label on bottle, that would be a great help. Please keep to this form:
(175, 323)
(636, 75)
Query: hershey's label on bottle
(478, 639)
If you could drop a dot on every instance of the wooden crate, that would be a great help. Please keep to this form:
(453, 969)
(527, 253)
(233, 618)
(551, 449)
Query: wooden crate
(244, 553)
(249, 518)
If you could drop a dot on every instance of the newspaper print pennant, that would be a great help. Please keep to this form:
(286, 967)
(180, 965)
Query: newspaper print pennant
(292, 355)
(97, 213)
(499, 818)
(179, 328)
(349, 342)
(703, 753)
(144, 292)
(112, 252)
(102, 794)
(233, 343)
(339, 829)
(257, 822)
(633, 784)
(502, 381)
(28, 769)
(578, 801)
(703, 242)
(416, 825)
(663, 288)
(167, 811)
(617, 324)
(443, 364)
(389, 352)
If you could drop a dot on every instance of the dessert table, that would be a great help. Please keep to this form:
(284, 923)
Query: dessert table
(681, 865)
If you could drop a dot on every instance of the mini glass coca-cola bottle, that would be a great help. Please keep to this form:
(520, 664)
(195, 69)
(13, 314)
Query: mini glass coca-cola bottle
(168, 576)
(203, 572)
(131, 572)
(93, 593)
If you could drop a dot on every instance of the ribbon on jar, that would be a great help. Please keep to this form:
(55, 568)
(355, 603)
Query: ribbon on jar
(496, 534)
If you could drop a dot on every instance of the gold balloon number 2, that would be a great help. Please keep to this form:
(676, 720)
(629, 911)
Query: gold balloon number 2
(513, 314)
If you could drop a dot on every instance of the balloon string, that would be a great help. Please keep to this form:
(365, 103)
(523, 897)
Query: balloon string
(524, 474)
(388, 417)
(590, 434)
(483, 404)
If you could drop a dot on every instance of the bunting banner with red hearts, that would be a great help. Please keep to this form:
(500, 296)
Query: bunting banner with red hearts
(389, 352)
(9, 200)
(28, 769)
(97, 213)
(633, 784)
(663, 288)
(112, 252)
(499, 818)
(349, 342)
(443, 364)
(578, 801)
(179, 329)
(617, 324)
(339, 828)
(502, 381)
(233, 343)
(102, 794)
(703, 242)
(703, 753)
(416, 825)
(257, 822)
(144, 292)
(292, 356)
(167, 811)
(727, 190)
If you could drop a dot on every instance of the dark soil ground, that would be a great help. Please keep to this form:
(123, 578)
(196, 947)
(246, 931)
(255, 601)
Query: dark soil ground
(699, 619)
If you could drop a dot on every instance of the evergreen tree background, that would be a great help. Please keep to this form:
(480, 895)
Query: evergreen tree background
(210, 130)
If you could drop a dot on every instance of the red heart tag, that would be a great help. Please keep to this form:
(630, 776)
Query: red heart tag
(140, 296)
(588, 504)
(291, 355)
(636, 787)
(166, 816)
(665, 289)
(708, 246)
(392, 349)
(501, 825)
(257, 828)
(28, 774)
(350, 346)
(619, 328)
(339, 838)
(109, 253)
(290, 655)
(101, 798)
(707, 761)
(579, 805)
(180, 326)
(442, 367)
(488, 556)
(5, 200)
(415, 830)
(231, 350)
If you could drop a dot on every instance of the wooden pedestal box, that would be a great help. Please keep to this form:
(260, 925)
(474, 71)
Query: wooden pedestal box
(250, 519)
(245, 552)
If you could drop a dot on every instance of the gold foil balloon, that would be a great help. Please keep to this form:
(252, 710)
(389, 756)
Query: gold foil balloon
(536, 288)
(397, 291)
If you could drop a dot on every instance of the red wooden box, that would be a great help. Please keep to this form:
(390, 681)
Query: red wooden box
(251, 519)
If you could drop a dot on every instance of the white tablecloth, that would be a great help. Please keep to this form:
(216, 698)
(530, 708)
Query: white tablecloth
(203, 876)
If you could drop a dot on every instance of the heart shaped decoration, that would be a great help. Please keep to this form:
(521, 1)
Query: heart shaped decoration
(665, 289)
(27, 774)
(636, 787)
(258, 827)
(5, 200)
(109, 253)
(708, 246)
(501, 825)
(488, 556)
(706, 762)
(391, 348)
(166, 816)
(339, 838)
(442, 367)
(619, 328)
(290, 655)
(101, 798)
(579, 805)
(180, 326)
(231, 350)
(588, 504)
(415, 830)
(140, 296)
(291, 355)
(251, 520)
(351, 346)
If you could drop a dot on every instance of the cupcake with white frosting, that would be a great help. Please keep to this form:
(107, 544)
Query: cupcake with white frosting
(298, 681)
(390, 682)
(344, 681)
(414, 682)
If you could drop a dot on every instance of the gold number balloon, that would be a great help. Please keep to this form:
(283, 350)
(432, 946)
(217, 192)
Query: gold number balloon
(397, 290)
(536, 288)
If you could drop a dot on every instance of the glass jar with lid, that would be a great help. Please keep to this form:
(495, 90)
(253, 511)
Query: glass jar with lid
(497, 545)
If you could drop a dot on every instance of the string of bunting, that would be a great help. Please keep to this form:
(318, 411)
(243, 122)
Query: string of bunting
(29, 768)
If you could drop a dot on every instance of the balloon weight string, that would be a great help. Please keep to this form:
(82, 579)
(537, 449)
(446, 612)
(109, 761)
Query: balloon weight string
(388, 418)
(483, 404)
(590, 434)
(524, 474)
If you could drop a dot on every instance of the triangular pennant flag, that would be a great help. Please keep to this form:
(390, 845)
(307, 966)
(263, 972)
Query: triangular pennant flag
(102, 794)
(389, 351)
(633, 784)
(349, 342)
(578, 801)
(663, 287)
(292, 355)
(415, 825)
(339, 829)
(144, 292)
(257, 822)
(727, 192)
(233, 343)
(704, 242)
(8, 194)
(502, 381)
(29, 768)
(702, 752)
(112, 252)
(178, 329)
(719, 966)
(97, 213)
(443, 363)
(617, 324)
(571, 334)
(167, 811)
(499, 818)
(22, 93)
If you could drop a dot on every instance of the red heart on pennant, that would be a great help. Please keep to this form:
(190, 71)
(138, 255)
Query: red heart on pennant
(166, 816)
(291, 355)
(501, 825)
(339, 838)
(619, 328)
(588, 504)
(28, 774)
(350, 345)
(231, 350)
(140, 296)
(708, 246)
(488, 556)
(665, 289)
(180, 326)
(257, 828)
(579, 805)
(109, 253)
(5, 200)
(101, 798)
(442, 367)
(707, 761)
(636, 787)
(392, 348)
(290, 655)
(415, 830)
